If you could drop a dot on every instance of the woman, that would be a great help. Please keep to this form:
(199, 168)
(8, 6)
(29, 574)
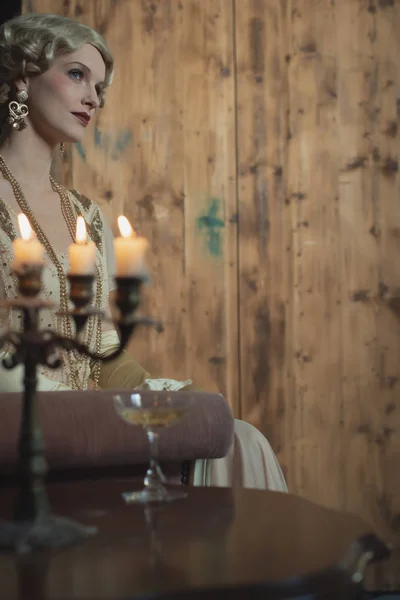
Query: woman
(53, 77)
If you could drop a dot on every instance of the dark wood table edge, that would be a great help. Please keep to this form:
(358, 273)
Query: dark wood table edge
(347, 574)
(344, 578)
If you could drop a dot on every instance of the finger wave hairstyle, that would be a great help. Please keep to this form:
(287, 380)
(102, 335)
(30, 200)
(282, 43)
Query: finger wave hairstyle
(29, 44)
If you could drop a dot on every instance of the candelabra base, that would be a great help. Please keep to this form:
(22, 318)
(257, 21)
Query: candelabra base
(46, 532)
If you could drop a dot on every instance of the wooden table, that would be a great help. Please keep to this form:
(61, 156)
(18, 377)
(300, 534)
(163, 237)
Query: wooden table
(268, 542)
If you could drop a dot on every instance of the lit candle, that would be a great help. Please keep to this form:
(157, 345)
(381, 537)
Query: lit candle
(28, 251)
(129, 251)
(82, 254)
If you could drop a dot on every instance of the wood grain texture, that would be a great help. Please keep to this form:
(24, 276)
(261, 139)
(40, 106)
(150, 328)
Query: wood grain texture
(216, 543)
(312, 194)
(256, 144)
(318, 151)
(370, 335)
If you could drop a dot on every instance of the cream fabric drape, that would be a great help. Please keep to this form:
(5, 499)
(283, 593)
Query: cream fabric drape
(250, 463)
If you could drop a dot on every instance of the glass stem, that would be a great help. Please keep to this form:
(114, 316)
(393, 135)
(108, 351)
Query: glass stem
(154, 476)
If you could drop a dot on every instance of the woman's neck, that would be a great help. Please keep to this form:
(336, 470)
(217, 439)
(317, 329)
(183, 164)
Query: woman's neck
(29, 158)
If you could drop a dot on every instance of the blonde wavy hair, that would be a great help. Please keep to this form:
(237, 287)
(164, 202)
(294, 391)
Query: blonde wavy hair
(29, 44)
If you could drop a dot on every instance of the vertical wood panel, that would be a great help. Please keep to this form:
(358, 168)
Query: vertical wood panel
(384, 158)
(206, 84)
(317, 92)
(357, 75)
(312, 194)
(263, 215)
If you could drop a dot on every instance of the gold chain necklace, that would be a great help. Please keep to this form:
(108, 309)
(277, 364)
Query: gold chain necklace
(70, 219)
(69, 216)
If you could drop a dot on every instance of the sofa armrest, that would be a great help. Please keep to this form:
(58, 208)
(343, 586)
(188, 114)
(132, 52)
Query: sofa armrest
(82, 429)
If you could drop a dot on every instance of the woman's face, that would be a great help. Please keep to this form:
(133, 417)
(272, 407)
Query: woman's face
(63, 99)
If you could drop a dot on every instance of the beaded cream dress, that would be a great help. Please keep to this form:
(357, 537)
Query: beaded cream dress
(79, 371)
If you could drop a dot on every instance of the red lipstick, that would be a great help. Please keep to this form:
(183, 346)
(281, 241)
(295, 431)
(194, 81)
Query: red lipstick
(83, 117)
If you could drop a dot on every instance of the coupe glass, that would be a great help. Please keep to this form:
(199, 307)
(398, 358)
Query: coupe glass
(153, 412)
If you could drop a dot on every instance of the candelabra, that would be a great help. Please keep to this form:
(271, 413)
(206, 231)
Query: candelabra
(33, 526)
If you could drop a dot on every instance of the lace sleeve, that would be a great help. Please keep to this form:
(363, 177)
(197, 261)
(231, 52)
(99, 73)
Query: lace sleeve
(11, 381)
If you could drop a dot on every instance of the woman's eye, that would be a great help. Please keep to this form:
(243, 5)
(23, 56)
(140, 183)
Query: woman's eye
(76, 74)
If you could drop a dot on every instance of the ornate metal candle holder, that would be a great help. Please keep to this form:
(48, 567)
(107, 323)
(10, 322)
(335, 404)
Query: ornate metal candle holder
(33, 525)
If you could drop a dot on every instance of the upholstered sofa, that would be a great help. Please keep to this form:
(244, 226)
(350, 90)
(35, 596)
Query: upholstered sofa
(85, 438)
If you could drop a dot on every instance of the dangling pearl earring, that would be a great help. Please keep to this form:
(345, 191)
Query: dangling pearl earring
(62, 149)
(18, 111)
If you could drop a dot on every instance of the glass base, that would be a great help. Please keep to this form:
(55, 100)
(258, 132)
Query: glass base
(46, 532)
(156, 494)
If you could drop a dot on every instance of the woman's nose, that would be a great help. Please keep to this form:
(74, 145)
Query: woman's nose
(92, 99)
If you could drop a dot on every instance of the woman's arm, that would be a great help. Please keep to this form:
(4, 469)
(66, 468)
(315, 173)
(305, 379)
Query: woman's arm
(125, 373)
(122, 373)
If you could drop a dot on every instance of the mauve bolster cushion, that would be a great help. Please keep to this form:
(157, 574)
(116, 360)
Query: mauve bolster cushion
(82, 429)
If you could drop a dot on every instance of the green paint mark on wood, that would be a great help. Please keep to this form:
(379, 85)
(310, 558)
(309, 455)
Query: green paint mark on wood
(81, 150)
(211, 225)
(111, 145)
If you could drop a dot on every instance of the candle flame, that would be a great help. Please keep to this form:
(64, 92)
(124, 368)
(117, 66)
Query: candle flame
(25, 227)
(80, 231)
(125, 227)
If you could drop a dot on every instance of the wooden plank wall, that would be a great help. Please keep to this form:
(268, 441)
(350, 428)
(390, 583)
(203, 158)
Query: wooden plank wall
(255, 143)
